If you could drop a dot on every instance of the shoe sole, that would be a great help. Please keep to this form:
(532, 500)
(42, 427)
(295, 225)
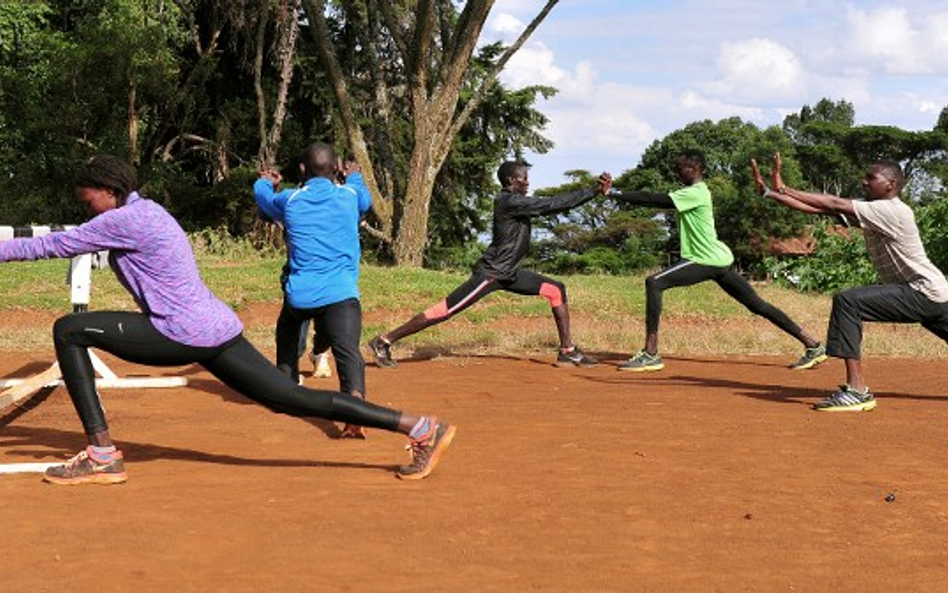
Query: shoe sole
(564, 364)
(645, 369)
(94, 479)
(439, 450)
(810, 364)
(866, 407)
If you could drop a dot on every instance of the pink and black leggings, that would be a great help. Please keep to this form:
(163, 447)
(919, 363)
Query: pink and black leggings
(478, 286)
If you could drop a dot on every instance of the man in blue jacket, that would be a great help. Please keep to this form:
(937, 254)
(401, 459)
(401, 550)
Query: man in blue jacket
(321, 222)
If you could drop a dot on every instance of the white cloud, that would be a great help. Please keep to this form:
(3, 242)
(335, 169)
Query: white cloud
(884, 37)
(630, 73)
(535, 64)
(896, 41)
(506, 26)
(758, 71)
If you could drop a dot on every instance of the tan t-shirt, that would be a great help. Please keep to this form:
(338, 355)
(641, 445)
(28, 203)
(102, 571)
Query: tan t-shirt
(896, 249)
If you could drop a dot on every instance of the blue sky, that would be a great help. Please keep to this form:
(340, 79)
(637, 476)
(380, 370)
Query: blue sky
(631, 72)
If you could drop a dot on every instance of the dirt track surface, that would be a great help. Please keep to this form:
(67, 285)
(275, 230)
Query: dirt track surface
(712, 475)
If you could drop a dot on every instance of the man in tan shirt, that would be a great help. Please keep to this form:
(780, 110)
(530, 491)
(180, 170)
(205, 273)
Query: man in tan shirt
(912, 289)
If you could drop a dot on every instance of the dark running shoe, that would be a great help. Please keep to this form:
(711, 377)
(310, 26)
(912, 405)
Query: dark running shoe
(811, 357)
(576, 358)
(643, 361)
(847, 399)
(83, 469)
(382, 351)
(353, 431)
(426, 454)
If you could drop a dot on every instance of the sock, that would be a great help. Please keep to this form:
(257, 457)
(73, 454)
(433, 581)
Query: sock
(109, 453)
(567, 350)
(423, 429)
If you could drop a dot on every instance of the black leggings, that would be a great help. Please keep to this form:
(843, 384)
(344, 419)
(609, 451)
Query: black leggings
(239, 365)
(338, 326)
(686, 273)
(892, 303)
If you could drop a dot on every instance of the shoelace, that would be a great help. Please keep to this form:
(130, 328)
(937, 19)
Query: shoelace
(418, 449)
(77, 459)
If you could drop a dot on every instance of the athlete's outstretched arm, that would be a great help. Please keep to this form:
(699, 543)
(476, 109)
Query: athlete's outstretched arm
(648, 199)
(826, 203)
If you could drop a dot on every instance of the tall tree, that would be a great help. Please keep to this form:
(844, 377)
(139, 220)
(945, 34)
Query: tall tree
(421, 53)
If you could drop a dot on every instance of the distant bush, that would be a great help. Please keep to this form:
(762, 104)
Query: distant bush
(837, 263)
(454, 258)
(931, 225)
(219, 243)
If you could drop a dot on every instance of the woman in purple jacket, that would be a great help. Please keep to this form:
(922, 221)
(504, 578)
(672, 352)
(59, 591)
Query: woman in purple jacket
(181, 322)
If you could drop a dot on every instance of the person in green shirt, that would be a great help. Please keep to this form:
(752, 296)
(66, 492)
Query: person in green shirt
(703, 257)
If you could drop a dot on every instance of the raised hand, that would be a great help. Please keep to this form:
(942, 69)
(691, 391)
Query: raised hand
(605, 183)
(271, 174)
(758, 179)
(777, 180)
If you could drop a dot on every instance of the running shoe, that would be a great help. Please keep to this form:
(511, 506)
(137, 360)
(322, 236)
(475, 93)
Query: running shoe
(847, 399)
(643, 361)
(84, 469)
(575, 357)
(321, 368)
(382, 351)
(353, 431)
(426, 453)
(811, 357)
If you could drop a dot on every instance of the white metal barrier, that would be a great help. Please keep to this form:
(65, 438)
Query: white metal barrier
(80, 282)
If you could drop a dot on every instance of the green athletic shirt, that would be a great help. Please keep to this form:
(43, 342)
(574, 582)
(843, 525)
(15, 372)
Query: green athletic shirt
(699, 239)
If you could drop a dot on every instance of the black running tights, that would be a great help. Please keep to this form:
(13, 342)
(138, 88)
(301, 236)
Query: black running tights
(239, 365)
(686, 273)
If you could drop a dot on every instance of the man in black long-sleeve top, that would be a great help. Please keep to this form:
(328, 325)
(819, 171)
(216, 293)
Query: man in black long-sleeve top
(499, 267)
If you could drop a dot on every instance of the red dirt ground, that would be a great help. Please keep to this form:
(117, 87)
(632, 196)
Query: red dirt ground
(712, 475)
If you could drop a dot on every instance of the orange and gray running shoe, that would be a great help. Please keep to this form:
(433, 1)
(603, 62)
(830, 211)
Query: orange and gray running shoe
(426, 453)
(84, 469)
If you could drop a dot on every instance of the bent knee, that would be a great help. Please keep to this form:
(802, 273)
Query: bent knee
(65, 326)
(554, 293)
(437, 311)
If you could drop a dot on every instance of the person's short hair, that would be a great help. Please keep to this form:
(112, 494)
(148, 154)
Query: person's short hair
(108, 172)
(892, 170)
(319, 159)
(693, 157)
(509, 169)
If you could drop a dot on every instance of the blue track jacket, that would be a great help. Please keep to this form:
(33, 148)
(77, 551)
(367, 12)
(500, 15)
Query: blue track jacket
(321, 220)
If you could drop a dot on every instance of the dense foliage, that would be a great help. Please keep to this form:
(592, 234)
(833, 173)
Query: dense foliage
(200, 93)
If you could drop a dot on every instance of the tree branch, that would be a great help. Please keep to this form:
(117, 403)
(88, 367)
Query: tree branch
(315, 11)
(394, 29)
(491, 77)
(258, 84)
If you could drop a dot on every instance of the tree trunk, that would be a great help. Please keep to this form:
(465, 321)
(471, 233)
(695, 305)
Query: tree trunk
(133, 155)
(287, 33)
(408, 248)
(435, 74)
